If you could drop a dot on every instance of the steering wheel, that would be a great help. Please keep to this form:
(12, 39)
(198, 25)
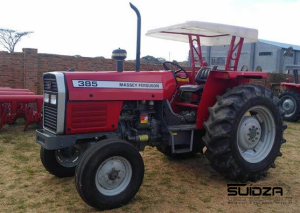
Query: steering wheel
(176, 71)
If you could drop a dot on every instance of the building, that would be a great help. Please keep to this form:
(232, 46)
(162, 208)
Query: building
(267, 55)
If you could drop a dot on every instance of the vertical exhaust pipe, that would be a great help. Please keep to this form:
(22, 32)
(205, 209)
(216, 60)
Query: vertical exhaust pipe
(138, 40)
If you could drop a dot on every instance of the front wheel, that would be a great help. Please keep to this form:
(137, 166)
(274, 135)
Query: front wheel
(244, 133)
(290, 102)
(61, 162)
(109, 174)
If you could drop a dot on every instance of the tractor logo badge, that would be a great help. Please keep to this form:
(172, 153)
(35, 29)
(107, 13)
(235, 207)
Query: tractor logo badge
(47, 84)
(144, 119)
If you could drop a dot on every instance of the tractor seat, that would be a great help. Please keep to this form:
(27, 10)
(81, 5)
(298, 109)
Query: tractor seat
(201, 77)
(192, 88)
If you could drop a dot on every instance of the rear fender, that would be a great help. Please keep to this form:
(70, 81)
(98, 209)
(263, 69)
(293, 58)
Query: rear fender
(217, 84)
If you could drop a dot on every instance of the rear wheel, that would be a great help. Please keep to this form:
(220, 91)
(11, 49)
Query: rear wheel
(109, 174)
(61, 162)
(244, 133)
(290, 102)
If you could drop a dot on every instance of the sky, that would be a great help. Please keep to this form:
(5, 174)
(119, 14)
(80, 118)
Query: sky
(94, 28)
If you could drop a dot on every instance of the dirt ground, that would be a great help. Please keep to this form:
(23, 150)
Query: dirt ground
(189, 185)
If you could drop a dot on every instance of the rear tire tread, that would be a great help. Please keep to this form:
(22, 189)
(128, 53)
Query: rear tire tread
(219, 126)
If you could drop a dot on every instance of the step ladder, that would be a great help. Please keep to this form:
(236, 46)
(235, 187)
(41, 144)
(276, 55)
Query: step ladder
(179, 129)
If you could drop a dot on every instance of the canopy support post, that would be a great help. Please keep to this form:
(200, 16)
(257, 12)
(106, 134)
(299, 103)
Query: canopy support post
(194, 59)
(230, 56)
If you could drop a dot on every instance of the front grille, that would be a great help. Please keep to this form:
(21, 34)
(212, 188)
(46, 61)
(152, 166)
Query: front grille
(50, 118)
(50, 110)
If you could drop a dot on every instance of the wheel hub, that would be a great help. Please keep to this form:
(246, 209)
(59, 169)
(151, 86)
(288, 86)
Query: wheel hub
(113, 175)
(252, 133)
(288, 105)
(256, 134)
(249, 133)
(67, 157)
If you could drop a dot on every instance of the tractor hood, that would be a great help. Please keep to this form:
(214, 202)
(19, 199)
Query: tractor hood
(95, 86)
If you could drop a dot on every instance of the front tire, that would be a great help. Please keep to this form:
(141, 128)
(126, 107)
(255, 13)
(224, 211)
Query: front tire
(290, 102)
(62, 162)
(109, 174)
(244, 133)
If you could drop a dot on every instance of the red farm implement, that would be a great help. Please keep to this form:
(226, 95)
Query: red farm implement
(20, 103)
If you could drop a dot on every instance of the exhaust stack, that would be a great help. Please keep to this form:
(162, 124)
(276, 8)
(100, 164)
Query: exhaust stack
(138, 40)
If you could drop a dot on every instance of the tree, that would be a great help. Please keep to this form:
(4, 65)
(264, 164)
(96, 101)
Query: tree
(175, 62)
(162, 60)
(152, 60)
(10, 38)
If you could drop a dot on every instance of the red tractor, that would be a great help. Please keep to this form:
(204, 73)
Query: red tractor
(95, 123)
(290, 97)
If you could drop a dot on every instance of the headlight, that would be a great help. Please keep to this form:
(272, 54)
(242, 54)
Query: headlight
(53, 99)
(46, 98)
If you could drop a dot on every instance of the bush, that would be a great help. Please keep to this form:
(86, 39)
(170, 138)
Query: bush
(277, 77)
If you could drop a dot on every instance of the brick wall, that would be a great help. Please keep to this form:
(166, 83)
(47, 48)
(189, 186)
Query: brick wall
(11, 69)
(25, 69)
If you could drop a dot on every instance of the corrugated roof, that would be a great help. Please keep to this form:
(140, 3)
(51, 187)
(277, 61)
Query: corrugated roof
(282, 45)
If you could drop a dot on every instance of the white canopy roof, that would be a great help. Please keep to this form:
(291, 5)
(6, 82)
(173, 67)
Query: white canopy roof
(216, 34)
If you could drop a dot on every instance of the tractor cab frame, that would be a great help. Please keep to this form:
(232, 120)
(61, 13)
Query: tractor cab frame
(198, 33)
(216, 81)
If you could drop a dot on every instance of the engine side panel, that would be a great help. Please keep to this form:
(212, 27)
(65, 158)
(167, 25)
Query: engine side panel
(96, 86)
(89, 117)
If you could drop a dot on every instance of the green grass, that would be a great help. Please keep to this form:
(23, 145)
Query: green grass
(188, 185)
(206, 199)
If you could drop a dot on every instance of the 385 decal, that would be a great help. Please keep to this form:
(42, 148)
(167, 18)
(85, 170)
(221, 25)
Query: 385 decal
(84, 83)
(118, 84)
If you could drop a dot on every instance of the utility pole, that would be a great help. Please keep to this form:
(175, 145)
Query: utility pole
(285, 53)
